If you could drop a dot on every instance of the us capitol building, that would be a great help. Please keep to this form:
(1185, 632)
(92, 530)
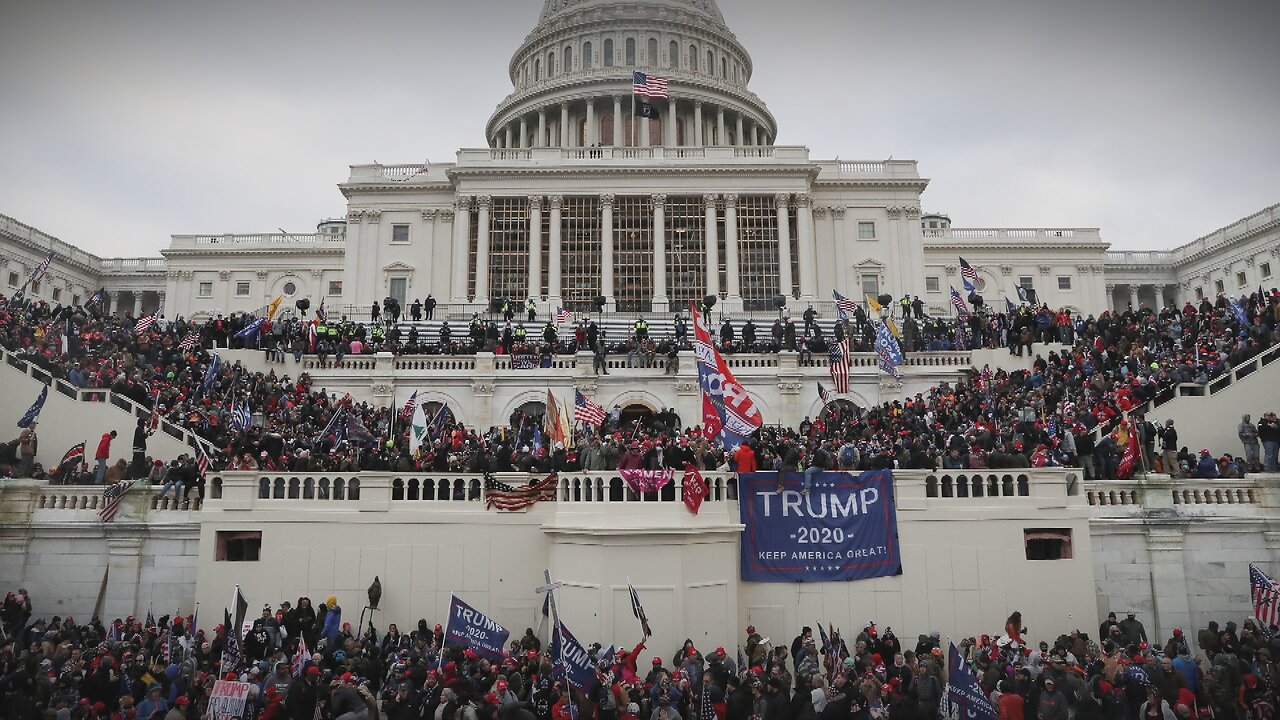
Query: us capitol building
(577, 197)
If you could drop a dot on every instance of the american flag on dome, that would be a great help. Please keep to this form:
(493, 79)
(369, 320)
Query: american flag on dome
(585, 411)
(144, 323)
(844, 306)
(1265, 596)
(501, 496)
(563, 315)
(962, 308)
(649, 86)
(838, 365)
(968, 275)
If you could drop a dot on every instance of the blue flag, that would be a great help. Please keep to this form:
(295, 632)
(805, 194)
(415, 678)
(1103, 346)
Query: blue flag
(356, 433)
(470, 628)
(608, 656)
(572, 660)
(1242, 317)
(251, 330)
(1009, 307)
(211, 374)
(889, 351)
(436, 429)
(963, 689)
(826, 641)
(33, 412)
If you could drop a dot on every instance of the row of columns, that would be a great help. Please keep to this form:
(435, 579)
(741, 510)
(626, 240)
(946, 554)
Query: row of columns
(745, 128)
(782, 201)
(1163, 293)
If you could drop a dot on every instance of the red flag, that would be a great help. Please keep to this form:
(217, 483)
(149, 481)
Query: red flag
(1129, 461)
(710, 418)
(695, 488)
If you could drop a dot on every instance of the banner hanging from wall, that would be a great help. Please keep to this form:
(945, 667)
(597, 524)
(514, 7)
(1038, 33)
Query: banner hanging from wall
(845, 528)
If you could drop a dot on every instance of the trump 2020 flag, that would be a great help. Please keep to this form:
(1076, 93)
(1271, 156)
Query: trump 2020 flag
(33, 412)
(470, 628)
(963, 690)
(571, 660)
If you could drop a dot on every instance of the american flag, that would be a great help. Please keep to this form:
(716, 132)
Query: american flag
(563, 315)
(1265, 594)
(838, 365)
(502, 496)
(43, 267)
(706, 710)
(650, 86)
(190, 341)
(144, 323)
(585, 411)
(407, 410)
(300, 658)
(962, 308)
(968, 275)
(844, 306)
(824, 395)
(97, 297)
(111, 498)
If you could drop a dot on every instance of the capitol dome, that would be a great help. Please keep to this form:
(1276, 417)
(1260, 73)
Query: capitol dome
(573, 74)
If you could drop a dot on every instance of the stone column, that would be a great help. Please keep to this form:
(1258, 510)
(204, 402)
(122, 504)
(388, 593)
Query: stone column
(783, 201)
(659, 253)
(564, 124)
(720, 139)
(461, 230)
(541, 140)
(617, 122)
(807, 248)
(535, 246)
(606, 246)
(553, 253)
(483, 203)
(137, 303)
(1169, 588)
(712, 237)
(524, 132)
(670, 138)
(160, 306)
(731, 248)
(1133, 295)
(755, 133)
(507, 144)
(592, 134)
(697, 123)
(738, 137)
(1111, 296)
(643, 132)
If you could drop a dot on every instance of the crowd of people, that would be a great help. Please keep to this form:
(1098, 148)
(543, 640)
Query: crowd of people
(1046, 416)
(144, 668)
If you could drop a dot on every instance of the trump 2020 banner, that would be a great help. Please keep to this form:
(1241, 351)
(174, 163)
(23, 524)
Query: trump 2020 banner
(470, 628)
(845, 528)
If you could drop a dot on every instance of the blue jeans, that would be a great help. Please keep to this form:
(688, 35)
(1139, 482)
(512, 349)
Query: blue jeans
(809, 472)
(100, 475)
(1271, 448)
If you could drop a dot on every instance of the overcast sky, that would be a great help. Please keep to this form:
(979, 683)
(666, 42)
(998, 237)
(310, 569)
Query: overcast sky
(124, 122)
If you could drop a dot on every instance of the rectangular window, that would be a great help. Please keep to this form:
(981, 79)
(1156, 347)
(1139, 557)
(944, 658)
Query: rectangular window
(399, 233)
(1024, 281)
(35, 288)
(57, 294)
(13, 279)
(75, 299)
(1266, 270)
(1047, 543)
(866, 231)
(1199, 293)
(932, 284)
(871, 285)
(206, 289)
(242, 288)
(1064, 282)
(238, 545)
(1218, 286)
(335, 287)
(1241, 280)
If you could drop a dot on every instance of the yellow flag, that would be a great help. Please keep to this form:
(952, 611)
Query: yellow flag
(275, 305)
(875, 306)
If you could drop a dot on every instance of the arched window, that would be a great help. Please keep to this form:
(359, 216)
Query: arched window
(673, 54)
(586, 55)
(711, 63)
(568, 58)
(608, 53)
(537, 69)
(651, 53)
(631, 52)
(551, 64)
(693, 59)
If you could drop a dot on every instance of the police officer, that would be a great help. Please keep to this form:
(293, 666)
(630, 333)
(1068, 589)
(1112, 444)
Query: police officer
(642, 329)
(531, 309)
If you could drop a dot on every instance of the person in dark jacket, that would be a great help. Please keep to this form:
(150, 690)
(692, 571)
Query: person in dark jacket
(304, 695)
(1052, 704)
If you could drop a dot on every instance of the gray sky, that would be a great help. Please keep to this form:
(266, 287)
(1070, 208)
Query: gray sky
(124, 122)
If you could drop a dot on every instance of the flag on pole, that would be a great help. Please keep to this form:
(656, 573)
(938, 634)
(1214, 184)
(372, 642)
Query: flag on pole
(144, 323)
(1009, 307)
(356, 433)
(889, 351)
(211, 374)
(241, 415)
(962, 308)
(251, 330)
(273, 307)
(1242, 316)
(300, 658)
(38, 274)
(33, 412)
(963, 690)
(190, 341)
(824, 395)
(231, 655)
(1264, 593)
(638, 610)
(587, 412)
(969, 276)
(98, 297)
(202, 460)
(407, 410)
(150, 622)
(111, 498)
(438, 422)
(648, 86)
(71, 460)
(874, 305)
(734, 409)
(1128, 461)
(838, 365)
(563, 315)
(417, 429)
(844, 306)
(693, 488)
(826, 640)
